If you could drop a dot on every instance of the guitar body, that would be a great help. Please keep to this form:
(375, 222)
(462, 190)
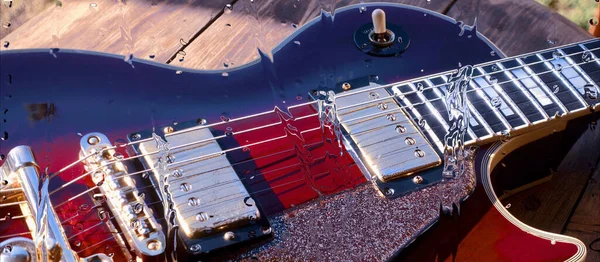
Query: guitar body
(50, 97)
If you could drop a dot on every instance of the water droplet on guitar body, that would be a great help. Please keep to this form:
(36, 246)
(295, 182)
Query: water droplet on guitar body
(493, 80)
(297, 43)
(6, 44)
(590, 91)
(495, 68)
(493, 53)
(586, 56)
(420, 87)
(556, 54)
(362, 9)
(558, 67)
(555, 89)
(496, 102)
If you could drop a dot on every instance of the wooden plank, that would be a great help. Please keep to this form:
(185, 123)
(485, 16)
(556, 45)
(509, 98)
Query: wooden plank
(15, 13)
(144, 28)
(233, 39)
(518, 26)
(595, 25)
(548, 206)
(585, 221)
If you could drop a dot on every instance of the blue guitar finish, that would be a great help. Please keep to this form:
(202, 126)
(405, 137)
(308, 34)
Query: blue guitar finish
(51, 95)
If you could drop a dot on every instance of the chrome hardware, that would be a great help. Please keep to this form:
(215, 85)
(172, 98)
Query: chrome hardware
(17, 249)
(207, 193)
(22, 170)
(140, 228)
(397, 148)
(212, 207)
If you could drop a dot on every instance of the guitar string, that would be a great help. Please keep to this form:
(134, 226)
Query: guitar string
(383, 98)
(382, 113)
(387, 98)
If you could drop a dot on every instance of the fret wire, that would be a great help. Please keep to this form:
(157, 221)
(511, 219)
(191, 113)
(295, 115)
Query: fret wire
(544, 87)
(588, 50)
(483, 96)
(442, 97)
(578, 69)
(432, 110)
(543, 60)
(505, 97)
(564, 81)
(526, 93)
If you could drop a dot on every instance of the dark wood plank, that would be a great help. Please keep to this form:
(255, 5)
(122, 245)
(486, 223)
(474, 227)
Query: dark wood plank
(585, 221)
(233, 39)
(518, 26)
(548, 206)
(143, 27)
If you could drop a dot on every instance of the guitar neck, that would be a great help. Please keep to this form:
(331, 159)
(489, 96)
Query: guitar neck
(513, 95)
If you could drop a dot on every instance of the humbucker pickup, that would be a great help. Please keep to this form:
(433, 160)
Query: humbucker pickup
(387, 141)
(213, 207)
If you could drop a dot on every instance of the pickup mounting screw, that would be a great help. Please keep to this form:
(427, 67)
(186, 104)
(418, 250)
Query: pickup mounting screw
(346, 86)
(93, 140)
(195, 248)
(168, 130)
(418, 179)
(229, 236)
(153, 244)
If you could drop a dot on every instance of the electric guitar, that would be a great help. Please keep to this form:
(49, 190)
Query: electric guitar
(358, 138)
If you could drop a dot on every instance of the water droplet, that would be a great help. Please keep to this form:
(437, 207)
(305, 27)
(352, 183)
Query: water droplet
(297, 43)
(495, 68)
(496, 102)
(77, 243)
(551, 41)
(2, 157)
(228, 8)
(177, 173)
(178, 72)
(362, 9)
(183, 42)
(593, 21)
(152, 56)
(382, 106)
(4, 136)
(420, 87)
(78, 226)
(409, 141)
(586, 56)
(422, 122)
(202, 216)
(493, 80)
(294, 25)
(556, 54)
(225, 74)
(590, 91)
(6, 24)
(555, 89)
(298, 97)
(225, 64)
(6, 44)
(225, 118)
(249, 201)
(493, 53)
(557, 67)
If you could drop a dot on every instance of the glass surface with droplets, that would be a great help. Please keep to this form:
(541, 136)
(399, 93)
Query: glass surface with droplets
(223, 36)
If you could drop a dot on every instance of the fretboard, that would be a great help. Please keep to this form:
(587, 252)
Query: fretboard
(512, 95)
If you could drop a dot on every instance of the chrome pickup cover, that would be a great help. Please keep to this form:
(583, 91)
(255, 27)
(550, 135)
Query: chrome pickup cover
(207, 193)
(390, 143)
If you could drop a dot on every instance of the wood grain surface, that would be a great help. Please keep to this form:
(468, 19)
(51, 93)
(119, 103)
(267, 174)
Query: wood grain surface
(548, 206)
(518, 26)
(233, 39)
(585, 221)
(145, 28)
